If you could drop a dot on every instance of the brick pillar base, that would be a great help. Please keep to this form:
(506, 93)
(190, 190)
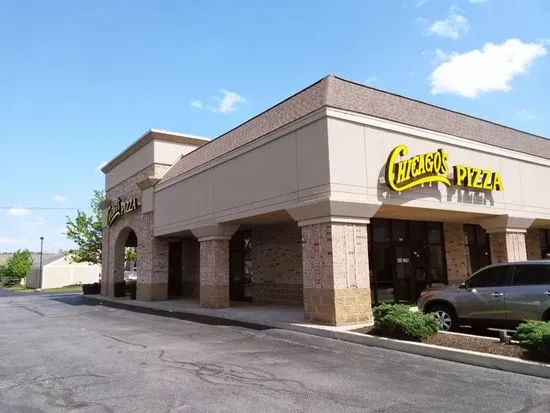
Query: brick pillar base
(214, 273)
(507, 246)
(336, 273)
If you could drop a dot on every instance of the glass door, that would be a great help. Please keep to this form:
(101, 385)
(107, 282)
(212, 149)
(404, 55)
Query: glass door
(403, 281)
(419, 276)
(239, 267)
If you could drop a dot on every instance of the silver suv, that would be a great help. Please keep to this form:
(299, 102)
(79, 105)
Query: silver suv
(498, 296)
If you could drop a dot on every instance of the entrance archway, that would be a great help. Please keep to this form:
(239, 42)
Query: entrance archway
(126, 256)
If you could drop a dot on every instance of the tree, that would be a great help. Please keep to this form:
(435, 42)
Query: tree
(85, 231)
(130, 254)
(16, 267)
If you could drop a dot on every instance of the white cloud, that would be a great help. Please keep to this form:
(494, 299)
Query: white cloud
(478, 1)
(371, 79)
(59, 198)
(526, 114)
(420, 3)
(196, 104)
(454, 26)
(39, 221)
(230, 101)
(19, 212)
(61, 231)
(227, 102)
(490, 69)
(101, 165)
(436, 56)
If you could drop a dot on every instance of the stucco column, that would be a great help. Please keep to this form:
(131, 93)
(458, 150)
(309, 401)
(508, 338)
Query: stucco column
(336, 272)
(455, 252)
(507, 237)
(214, 264)
(152, 263)
(532, 242)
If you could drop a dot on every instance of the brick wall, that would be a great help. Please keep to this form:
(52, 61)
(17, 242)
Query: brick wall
(456, 252)
(277, 264)
(336, 273)
(507, 246)
(532, 242)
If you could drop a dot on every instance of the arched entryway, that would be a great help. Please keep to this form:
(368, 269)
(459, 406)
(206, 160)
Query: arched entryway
(126, 257)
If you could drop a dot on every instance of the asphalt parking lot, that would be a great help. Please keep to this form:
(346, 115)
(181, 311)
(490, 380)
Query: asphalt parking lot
(63, 353)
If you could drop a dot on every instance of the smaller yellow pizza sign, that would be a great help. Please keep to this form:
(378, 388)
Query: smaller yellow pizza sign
(119, 208)
(404, 174)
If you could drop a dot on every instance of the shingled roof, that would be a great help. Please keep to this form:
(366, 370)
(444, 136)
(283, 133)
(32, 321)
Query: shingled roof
(338, 93)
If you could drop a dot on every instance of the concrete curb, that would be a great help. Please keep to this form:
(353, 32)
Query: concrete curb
(510, 364)
(530, 368)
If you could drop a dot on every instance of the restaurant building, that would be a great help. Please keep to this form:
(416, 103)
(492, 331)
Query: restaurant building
(336, 199)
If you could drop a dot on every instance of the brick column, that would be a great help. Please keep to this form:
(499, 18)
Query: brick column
(214, 273)
(507, 237)
(532, 241)
(152, 263)
(336, 272)
(455, 252)
(214, 264)
(507, 246)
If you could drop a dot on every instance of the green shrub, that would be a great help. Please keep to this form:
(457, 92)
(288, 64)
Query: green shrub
(398, 321)
(535, 336)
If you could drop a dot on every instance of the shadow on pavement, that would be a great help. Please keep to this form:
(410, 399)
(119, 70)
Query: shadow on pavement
(79, 300)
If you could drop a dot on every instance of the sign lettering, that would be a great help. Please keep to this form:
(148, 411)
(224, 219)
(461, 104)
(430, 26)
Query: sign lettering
(120, 208)
(433, 167)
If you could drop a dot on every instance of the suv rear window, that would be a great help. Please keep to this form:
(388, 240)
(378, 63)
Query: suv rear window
(532, 274)
(491, 277)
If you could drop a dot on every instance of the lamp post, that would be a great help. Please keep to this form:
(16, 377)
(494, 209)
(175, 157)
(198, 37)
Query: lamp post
(41, 252)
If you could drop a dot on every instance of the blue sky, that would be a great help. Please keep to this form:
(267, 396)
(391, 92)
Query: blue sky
(79, 81)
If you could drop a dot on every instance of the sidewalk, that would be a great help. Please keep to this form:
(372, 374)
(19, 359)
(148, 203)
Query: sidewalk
(258, 316)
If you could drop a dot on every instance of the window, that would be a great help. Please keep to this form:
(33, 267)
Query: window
(532, 275)
(477, 244)
(491, 277)
(380, 231)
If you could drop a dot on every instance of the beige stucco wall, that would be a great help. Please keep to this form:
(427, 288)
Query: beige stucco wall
(358, 154)
(343, 156)
(130, 166)
(155, 152)
(274, 173)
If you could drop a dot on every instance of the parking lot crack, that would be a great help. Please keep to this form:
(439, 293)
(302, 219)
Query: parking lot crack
(125, 342)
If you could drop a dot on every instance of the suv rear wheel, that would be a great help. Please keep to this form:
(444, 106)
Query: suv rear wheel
(445, 316)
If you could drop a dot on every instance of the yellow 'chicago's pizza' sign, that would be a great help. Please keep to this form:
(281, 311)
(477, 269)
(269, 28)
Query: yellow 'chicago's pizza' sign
(421, 169)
